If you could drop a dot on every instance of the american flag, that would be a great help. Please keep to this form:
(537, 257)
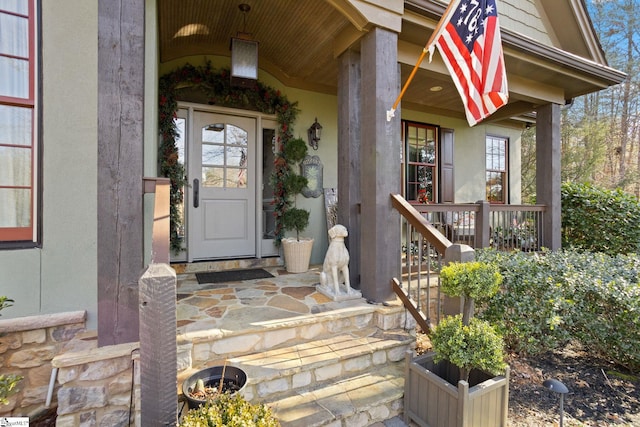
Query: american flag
(468, 39)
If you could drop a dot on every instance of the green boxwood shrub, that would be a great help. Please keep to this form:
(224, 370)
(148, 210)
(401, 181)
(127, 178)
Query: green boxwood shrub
(8, 382)
(548, 299)
(230, 410)
(477, 280)
(607, 308)
(599, 220)
(530, 311)
(473, 346)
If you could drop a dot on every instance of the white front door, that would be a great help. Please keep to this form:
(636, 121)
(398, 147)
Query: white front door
(222, 178)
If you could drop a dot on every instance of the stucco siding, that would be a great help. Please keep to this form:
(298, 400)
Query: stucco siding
(524, 17)
(20, 281)
(69, 255)
(62, 274)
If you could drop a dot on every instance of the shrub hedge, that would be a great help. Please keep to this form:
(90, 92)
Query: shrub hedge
(229, 410)
(550, 298)
(599, 220)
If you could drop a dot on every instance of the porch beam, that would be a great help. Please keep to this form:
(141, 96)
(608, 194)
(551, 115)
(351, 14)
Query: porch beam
(380, 165)
(548, 173)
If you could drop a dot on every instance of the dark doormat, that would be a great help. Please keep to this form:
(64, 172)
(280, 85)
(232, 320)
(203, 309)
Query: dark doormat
(232, 275)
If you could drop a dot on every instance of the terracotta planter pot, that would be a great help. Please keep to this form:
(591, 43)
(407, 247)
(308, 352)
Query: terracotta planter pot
(297, 254)
(431, 398)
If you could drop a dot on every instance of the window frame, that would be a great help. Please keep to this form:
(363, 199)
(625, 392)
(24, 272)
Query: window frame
(504, 173)
(407, 163)
(30, 236)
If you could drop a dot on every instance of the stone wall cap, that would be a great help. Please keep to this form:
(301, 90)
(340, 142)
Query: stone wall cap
(41, 321)
(95, 355)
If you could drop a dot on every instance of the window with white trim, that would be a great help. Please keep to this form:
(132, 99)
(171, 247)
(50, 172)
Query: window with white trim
(497, 169)
(17, 121)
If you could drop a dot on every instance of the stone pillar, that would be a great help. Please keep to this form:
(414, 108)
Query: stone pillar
(380, 165)
(349, 99)
(548, 173)
(158, 348)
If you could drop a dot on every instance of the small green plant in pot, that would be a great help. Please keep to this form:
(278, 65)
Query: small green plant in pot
(230, 410)
(463, 340)
(297, 251)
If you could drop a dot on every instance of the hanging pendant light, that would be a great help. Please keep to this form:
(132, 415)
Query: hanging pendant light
(244, 55)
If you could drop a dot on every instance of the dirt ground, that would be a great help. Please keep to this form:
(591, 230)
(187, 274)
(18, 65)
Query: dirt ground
(600, 394)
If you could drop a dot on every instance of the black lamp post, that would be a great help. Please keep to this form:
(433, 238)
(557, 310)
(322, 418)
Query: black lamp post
(557, 387)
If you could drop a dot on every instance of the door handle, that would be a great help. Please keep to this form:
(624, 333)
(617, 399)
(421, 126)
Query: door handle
(196, 193)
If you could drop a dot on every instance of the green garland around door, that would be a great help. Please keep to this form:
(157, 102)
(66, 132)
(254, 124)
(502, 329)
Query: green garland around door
(216, 86)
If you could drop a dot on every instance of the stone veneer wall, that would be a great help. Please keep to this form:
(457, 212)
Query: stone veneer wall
(27, 347)
(96, 386)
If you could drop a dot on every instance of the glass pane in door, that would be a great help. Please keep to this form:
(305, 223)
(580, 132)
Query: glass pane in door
(224, 156)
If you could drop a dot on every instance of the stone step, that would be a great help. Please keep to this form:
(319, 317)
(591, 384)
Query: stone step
(339, 366)
(355, 401)
(213, 346)
(308, 365)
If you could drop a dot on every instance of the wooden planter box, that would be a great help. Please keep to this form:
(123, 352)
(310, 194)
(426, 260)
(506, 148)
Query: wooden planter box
(431, 399)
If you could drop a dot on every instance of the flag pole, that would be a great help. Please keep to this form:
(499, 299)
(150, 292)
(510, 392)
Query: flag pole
(435, 33)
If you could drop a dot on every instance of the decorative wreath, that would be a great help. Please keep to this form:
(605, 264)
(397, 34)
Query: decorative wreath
(216, 86)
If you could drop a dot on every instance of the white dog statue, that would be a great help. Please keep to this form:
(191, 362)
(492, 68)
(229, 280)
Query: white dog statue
(336, 262)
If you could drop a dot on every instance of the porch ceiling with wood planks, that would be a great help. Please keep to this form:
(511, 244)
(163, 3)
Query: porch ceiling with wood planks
(299, 41)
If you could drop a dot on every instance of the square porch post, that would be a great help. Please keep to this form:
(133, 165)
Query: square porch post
(548, 178)
(380, 165)
(349, 162)
(120, 167)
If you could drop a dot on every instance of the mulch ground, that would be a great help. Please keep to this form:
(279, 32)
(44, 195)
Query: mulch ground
(600, 394)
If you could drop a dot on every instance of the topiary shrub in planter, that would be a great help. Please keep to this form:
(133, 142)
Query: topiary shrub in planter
(297, 251)
(468, 352)
(230, 410)
(472, 346)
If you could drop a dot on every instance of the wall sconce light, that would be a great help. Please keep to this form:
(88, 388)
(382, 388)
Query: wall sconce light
(244, 55)
(314, 133)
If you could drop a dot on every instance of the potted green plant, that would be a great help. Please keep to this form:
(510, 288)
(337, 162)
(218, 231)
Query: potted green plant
(466, 372)
(230, 410)
(297, 251)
